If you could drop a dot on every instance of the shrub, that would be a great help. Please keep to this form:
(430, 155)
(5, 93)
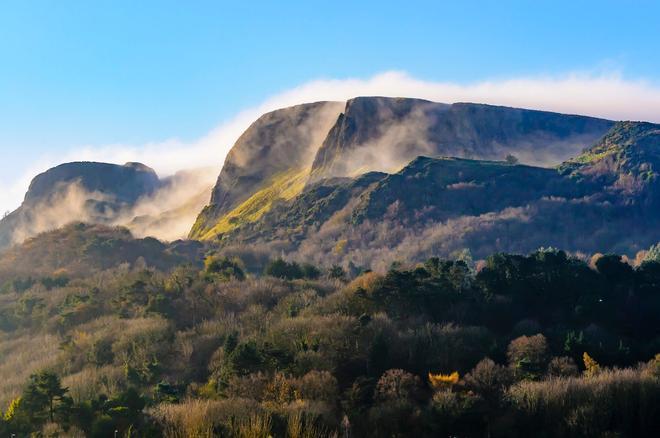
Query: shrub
(528, 356)
(591, 367)
(397, 385)
(199, 418)
(489, 380)
(624, 402)
(281, 269)
(456, 413)
(443, 381)
(562, 367)
(224, 268)
(317, 385)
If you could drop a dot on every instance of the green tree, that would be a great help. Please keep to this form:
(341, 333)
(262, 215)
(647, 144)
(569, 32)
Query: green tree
(280, 268)
(44, 398)
(223, 268)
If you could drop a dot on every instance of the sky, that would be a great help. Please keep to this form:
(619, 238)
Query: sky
(173, 83)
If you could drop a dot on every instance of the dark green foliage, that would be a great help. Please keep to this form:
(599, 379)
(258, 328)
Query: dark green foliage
(43, 400)
(354, 355)
(165, 393)
(223, 268)
(245, 359)
(101, 416)
(280, 268)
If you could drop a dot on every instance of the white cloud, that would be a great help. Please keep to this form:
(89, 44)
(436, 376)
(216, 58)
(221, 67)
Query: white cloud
(601, 95)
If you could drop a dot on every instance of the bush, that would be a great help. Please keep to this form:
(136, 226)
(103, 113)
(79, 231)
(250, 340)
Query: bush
(624, 402)
(528, 356)
(397, 385)
(281, 269)
(224, 268)
(562, 367)
(489, 380)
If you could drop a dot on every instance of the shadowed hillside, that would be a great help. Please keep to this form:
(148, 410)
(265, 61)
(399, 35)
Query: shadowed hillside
(131, 195)
(381, 134)
(443, 206)
(377, 133)
(79, 249)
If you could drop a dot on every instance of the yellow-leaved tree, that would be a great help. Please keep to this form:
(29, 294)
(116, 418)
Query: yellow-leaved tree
(591, 367)
(443, 381)
(11, 410)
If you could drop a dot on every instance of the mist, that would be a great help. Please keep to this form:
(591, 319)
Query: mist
(69, 202)
(607, 95)
(167, 214)
(170, 212)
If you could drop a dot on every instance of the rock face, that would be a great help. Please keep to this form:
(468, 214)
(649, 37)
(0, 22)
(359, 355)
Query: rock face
(376, 133)
(80, 191)
(125, 183)
(279, 142)
(269, 161)
(440, 206)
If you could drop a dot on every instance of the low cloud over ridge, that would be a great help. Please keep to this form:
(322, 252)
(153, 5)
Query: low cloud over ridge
(604, 95)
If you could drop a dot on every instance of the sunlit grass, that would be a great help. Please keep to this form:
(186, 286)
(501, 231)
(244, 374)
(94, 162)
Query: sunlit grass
(283, 186)
(21, 356)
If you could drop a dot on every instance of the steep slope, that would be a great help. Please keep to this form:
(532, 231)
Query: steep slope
(438, 206)
(281, 142)
(627, 160)
(427, 190)
(82, 191)
(377, 133)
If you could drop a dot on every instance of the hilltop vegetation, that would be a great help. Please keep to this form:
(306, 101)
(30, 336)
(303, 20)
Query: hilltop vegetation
(433, 205)
(440, 206)
(80, 249)
(281, 188)
(543, 344)
(349, 280)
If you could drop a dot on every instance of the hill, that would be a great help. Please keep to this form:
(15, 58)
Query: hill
(80, 191)
(80, 249)
(328, 299)
(276, 148)
(292, 145)
(441, 206)
(100, 193)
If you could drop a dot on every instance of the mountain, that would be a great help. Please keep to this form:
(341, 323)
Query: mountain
(384, 133)
(102, 193)
(374, 180)
(83, 191)
(124, 183)
(290, 149)
(275, 151)
(442, 206)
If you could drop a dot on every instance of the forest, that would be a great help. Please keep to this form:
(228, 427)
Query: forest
(544, 344)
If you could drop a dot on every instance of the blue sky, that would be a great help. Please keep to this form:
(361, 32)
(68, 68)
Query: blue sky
(89, 74)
